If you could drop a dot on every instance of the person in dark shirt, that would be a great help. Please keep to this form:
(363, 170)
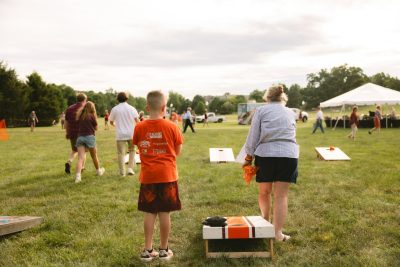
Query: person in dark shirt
(353, 124)
(87, 126)
(71, 128)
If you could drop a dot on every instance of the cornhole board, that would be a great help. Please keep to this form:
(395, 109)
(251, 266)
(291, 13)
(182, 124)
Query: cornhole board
(13, 224)
(221, 155)
(241, 227)
(325, 153)
(137, 158)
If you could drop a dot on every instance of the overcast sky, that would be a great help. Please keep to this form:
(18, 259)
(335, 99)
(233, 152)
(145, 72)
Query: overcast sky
(196, 47)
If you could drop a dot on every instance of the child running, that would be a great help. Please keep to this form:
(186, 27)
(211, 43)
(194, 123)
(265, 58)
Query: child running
(87, 118)
(159, 142)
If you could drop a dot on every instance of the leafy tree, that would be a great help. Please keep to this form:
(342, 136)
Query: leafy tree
(13, 97)
(178, 101)
(215, 104)
(294, 96)
(200, 108)
(138, 102)
(227, 108)
(386, 80)
(327, 84)
(197, 99)
(257, 95)
(45, 99)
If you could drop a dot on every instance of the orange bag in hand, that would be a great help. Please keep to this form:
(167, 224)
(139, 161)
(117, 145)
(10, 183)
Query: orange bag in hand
(248, 173)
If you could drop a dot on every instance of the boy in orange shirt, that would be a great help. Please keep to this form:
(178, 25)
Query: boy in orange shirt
(159, 142)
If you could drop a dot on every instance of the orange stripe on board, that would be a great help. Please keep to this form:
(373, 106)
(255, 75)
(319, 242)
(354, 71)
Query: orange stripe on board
(237, 228)
(3, 131)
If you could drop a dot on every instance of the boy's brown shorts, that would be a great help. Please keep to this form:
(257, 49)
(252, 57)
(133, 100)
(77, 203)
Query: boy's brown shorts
(162, 197)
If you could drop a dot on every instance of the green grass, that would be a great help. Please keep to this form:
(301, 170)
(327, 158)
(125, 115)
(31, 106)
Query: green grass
(340, 213)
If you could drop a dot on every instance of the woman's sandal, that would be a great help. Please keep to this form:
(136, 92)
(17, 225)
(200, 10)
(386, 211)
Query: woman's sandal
(284, 239)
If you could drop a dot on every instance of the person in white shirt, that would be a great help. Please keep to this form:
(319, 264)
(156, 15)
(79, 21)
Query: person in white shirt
(319, 121)
(124, 117)
(187, 117)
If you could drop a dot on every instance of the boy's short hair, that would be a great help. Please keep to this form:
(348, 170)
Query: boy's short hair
(122, 97)
(80, 97)
(155, 100)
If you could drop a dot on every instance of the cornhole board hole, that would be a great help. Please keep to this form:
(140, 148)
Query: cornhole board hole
(326, 153)
(137, 158)
(221, 155)
(13, 224)
(241, 227)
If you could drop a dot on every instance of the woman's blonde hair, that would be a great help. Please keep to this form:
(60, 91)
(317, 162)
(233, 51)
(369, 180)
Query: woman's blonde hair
(275, 94)
(88, 108)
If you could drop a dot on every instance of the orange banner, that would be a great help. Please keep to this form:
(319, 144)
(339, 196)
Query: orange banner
(3, 131)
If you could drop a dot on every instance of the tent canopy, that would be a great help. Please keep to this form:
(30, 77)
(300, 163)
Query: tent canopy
(367, 94)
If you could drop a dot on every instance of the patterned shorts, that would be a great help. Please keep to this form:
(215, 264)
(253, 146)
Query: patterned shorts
(162, 197)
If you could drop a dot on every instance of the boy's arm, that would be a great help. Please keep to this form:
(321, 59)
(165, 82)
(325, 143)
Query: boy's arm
(178, 149)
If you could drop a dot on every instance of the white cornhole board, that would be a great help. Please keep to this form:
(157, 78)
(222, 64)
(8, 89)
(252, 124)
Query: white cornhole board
(221, 155)
(13, 224)
(241, 227)
(326, 154)
(137, 158)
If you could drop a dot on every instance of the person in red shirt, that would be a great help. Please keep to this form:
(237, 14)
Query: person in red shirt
(159, 142)
(353, 124)
(71, 127)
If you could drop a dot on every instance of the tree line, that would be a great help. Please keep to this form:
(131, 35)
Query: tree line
(18, 98)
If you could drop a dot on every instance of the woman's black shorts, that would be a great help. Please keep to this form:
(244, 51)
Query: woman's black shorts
(273, 169)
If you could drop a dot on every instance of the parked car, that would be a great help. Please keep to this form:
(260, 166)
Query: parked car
(211, 118)
(300, 115)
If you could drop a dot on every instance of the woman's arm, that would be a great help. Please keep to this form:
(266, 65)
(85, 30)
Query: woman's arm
(254, 134)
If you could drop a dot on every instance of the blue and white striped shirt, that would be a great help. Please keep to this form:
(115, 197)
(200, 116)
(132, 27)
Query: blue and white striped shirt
(273, 132)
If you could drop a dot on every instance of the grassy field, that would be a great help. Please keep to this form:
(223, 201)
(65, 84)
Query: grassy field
(340, 213)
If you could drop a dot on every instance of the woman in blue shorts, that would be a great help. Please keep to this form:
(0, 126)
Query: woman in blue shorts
(87, 118)
(271, 143)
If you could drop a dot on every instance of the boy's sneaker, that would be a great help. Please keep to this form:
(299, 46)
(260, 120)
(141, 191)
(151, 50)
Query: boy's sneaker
(148, 255)
(130, 171)
(68, 168)
(100, 171)
(78, 178)
(165, 254)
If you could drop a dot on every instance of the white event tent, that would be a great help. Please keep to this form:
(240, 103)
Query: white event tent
(367, 94)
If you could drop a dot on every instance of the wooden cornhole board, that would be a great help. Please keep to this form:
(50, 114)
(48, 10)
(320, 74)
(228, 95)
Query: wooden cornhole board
(221, 155)
(325, 153)
(241, 227)
(137, 158)
(13, 224)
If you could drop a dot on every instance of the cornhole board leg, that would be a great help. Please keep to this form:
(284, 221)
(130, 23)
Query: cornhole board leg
(13, 224)
(258, 254)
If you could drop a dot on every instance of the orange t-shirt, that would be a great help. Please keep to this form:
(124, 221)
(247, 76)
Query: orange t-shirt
(156, 140)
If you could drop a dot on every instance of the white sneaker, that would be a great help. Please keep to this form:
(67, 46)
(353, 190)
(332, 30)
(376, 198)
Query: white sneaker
(78, 178)
(165, 254)
(130, 171)
(100, 171)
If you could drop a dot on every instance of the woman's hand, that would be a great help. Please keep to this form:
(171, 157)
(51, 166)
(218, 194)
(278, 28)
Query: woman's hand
(247, 160)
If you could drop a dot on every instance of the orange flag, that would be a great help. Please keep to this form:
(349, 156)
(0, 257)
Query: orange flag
(248, 173)
(3, 131)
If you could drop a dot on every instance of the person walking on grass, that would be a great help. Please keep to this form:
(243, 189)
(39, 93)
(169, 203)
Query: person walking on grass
(106, 117)
(271, 143)
(187, 117)
(71, 128)
(319, 121)
(160, 142)
(377, 120)
(87, 121)
(62, 120)
(124, 117)
(354, 122)
(205, 121)
(33, 120)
